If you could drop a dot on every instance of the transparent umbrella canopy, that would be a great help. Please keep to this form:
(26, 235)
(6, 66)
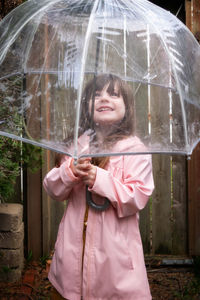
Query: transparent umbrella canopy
(50, 49)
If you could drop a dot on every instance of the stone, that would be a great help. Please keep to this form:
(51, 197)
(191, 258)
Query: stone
(12, 239)
(10, 216)
(12, 258)
(10, 274)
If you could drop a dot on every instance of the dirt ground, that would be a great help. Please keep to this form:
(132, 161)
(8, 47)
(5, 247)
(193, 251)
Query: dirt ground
(166, 283)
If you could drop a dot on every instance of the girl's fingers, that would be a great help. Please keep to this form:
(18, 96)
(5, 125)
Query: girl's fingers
(83, 169)
(81, 173)
(84, 160)
(90, 178)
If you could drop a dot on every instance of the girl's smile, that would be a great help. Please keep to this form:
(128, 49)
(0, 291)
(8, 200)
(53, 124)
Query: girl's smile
(109, 107)
(104, 108)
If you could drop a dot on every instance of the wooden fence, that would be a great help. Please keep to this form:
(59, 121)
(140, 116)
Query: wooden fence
(170, 223)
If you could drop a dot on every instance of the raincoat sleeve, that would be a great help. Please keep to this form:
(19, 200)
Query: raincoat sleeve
(59, 182)
(130, 193)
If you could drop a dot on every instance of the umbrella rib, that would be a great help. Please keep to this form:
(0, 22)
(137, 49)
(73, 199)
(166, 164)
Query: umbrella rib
(83, 60)
(10, 75)
(38, 144)
(172, 152)
(32, 142)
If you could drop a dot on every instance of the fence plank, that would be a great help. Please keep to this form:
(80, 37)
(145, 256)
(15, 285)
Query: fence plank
(193, 202)
(46, 208)
(196, 17)
(33, 180)
(52, 210)
(188, 13)
(179, 206)
(161, 206)
(34, 214)
(145, 227)
(193, 22)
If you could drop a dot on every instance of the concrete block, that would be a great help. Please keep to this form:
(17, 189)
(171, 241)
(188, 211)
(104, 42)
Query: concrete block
(10, 274)
(12, 239)
(12, 258)
(10, 216)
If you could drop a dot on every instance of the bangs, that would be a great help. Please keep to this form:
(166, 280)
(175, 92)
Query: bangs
(103, 80)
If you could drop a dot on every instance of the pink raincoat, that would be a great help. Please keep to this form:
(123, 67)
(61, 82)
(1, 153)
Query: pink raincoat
(113, 266)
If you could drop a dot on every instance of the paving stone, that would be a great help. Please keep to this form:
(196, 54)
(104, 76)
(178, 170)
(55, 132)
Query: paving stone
(12, 239)
(10, 275)
(10, 216)
(12, 257)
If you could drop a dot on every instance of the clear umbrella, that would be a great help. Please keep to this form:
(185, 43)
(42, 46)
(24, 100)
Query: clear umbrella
(50, 49)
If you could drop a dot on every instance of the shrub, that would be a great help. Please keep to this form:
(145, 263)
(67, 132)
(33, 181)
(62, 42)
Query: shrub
(14, 156)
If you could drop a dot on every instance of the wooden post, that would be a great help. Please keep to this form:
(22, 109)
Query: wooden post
(188, 13)
(161, 206)
(52, 211)
(196, 17)
(33, 180)
(193, 22)
(179, 205)
(46, 208)
(194, 202)
(34, 214)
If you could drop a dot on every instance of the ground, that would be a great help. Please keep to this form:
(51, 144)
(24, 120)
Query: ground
(167, 283)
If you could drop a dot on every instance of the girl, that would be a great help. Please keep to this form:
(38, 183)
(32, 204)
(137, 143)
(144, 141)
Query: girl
(98, 254)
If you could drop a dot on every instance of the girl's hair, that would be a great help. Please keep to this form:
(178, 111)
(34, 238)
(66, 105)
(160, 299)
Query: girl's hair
(126, 126)
(122, 130)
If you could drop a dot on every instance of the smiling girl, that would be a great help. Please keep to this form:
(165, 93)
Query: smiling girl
(98, 254)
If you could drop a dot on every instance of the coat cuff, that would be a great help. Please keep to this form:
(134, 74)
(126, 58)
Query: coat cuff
(101, 173)
(66, 173)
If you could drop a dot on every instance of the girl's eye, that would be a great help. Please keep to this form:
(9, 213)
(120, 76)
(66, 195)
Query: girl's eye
(114, 94)
(97, 94)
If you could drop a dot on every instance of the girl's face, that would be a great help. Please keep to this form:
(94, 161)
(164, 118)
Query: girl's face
(109, 107)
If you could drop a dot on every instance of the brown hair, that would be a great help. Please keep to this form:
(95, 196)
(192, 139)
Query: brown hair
(126, 126)
(122, 130)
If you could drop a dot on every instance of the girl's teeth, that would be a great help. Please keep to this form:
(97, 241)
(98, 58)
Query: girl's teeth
(103, 109)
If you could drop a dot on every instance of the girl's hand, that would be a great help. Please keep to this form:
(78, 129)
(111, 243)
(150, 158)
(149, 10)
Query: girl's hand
(84, 170)
(90, 178)
(81, 168)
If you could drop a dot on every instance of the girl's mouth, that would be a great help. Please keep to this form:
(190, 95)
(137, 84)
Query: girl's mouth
(104, 108)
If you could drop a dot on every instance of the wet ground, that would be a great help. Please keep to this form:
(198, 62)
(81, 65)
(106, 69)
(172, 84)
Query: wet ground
(167, 283)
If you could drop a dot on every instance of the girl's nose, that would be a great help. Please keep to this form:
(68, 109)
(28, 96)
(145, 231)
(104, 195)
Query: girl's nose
(104, 96)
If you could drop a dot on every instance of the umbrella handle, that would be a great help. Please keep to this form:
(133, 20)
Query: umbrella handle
(92, 204)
